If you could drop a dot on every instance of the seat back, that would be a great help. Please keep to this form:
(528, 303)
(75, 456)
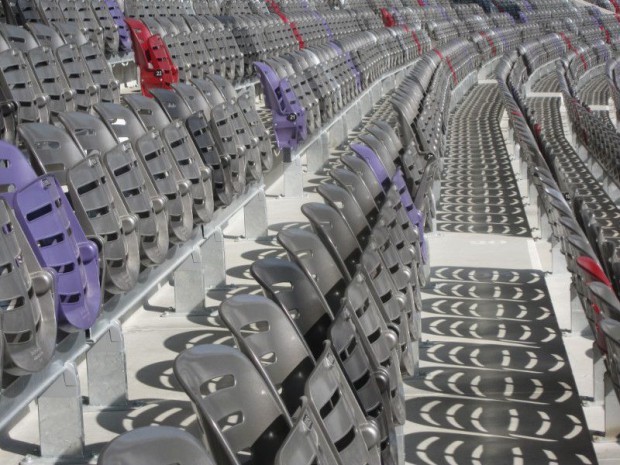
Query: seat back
(237, 409)
(307, 444)
(266, 335)
(287, 285)
(155, 445)
(306, 249)
(332, 400)
(336, 235)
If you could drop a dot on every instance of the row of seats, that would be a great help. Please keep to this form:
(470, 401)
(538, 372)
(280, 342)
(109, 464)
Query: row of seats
(316, 377)
(45, 71)
(308, 88)
(567, 224)
(102, 21)
(140, 172)
(598, 212)
(138, 177)
(339, 322)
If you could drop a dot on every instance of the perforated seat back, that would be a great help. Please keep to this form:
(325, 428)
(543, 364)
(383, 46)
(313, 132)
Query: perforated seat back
(191, 167)
(28, 11)
(57, 239)
(141, 199)
(80, 80)
(109, 33)
(18, 84)
(306, 249)
(18, 37)
(52, 80)
(155, 445)
(370, 381)
(101, 73)
(336, 235)
(148, 111)
(236, 408)
(71, 32)
(28, 320)
(119, 19)
(332, 400)
(285, 283)
(88, 131)
(168, 182)
(307, 443)
(46, 35)
(271, 341)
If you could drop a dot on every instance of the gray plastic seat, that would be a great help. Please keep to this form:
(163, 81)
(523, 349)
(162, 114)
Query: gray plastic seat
(285, 283)
(80, 80)
(27, 302)
(341, 199)
(155, 445)
(53, 82)
(183, 150)
(46, 35)
(306, 249)
(307, 443)
(101, 73)
(199, 127)
(237, 408)
(19, 86)
(331, 399)
(130, 178)
(243, 119)
(18, 37)
(221, 129)
(370, 380)
(271, 341)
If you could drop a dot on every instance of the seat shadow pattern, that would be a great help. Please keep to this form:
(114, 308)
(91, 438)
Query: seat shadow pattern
(479, 193)
(498, 387)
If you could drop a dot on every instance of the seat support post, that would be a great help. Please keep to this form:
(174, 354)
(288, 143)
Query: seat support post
(61, 424)
(107, 370)
(189, 291)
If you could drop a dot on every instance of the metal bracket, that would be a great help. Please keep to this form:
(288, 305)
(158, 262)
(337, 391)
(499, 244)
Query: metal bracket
(61, 424)
(255, 217)
(189, 292)
(107, 370)
(214, 260)
(292, 174)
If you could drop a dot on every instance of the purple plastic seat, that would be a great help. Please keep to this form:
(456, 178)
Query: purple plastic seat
(56, 237)
(118, 16)
(398, 180)
(289, 117)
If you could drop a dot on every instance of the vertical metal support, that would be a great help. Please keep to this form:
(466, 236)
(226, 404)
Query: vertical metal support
(377, 92)
(353, 116)
(338, 131)
(365, 103)
(598, 375)
(612, 410)
(214, 260)
(558, 262)
(107, 370)
(578, 320)
(189, 292)
(61, 424)
(317, 153)
(292, 175)
(255, 216)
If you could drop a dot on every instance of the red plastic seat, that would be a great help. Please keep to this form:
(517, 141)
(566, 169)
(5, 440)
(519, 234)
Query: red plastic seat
(157, 70)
